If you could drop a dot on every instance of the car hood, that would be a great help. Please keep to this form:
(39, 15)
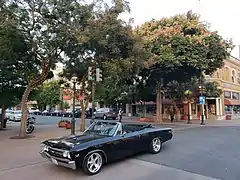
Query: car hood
(67, 142)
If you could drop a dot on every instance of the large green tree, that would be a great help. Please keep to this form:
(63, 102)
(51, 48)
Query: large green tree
(181, 47)
(13, 52)
(107, 43)
(48, 26)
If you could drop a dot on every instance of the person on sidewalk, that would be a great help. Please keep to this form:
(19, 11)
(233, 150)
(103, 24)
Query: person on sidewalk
(171, 113)
(120, 115)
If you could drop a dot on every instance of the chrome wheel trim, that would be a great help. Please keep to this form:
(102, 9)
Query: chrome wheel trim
(94, 162)
(156, 143)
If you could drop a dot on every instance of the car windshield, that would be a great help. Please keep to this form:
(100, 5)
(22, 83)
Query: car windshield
(102, 128)
(17, 112)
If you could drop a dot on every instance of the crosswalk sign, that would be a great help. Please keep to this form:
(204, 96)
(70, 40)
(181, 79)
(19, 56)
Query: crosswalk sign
(202, 100)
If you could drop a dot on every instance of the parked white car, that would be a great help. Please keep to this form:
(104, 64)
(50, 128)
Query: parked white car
(33, 110)
(16, 116)
(8, 113)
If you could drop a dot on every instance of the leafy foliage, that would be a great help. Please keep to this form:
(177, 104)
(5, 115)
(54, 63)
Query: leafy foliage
(177, 91)
(14, 55)
(107, 43)
(212, 89)
(182, 47)
(48, 94)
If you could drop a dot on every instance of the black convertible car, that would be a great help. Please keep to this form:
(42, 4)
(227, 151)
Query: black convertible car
(103, 142)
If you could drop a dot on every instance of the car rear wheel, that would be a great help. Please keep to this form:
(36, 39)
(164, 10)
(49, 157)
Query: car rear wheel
(155, 146)
(93, 163)
(104, 117)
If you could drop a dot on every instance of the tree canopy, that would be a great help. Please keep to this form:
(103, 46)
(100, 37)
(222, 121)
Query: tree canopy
(48, 94)
(13, 55)
(182, 47)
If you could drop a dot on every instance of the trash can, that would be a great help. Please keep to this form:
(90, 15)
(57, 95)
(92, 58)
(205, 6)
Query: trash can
(228, 117)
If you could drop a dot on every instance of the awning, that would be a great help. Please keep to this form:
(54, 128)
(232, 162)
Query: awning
(231, 102)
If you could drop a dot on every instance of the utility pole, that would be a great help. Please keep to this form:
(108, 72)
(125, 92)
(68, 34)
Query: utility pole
(93, 99)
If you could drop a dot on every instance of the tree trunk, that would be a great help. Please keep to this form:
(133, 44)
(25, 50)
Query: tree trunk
(22, 132)
(158, 105)
(3, 116)
(82, 123)
(144, 109)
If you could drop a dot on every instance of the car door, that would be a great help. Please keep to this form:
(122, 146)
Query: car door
(116, 148)
(131, 142)
(144, 140)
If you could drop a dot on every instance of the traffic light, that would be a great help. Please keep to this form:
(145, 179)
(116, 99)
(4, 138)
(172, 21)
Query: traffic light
(98, 75)
(202, 89)
(91, 73)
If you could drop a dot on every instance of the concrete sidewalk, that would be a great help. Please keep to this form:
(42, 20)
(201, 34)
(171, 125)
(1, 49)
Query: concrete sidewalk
(194, 123)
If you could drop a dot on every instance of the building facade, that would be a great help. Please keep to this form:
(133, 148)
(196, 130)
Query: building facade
(228, 78)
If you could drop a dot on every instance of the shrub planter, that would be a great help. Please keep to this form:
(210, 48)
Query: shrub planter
(68, 125)
(62, 123)
(146, 119)
(228, 117)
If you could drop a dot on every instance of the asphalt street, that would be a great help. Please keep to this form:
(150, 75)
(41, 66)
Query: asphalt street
(209, 151)
(197, 153)
(53, 120)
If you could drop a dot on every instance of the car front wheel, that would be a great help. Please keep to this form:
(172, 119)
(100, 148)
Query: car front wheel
(155, 146)
(93, 163)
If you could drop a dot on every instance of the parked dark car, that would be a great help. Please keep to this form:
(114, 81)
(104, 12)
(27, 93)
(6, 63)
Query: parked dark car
(103, 142)
(78, 113)
(57, 113)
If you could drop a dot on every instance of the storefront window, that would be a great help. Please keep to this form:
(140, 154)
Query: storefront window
(235, 95)
(227, 94)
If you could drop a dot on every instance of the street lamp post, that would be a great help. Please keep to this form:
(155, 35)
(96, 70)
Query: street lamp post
(188, 93)
(74, 81)
(62, 87)
(202, 106)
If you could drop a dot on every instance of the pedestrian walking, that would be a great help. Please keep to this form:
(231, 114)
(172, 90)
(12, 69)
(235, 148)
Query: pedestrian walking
(120, 115)
(171, 113)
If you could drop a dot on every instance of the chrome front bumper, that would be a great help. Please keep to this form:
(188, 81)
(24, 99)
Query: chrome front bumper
(59, 161)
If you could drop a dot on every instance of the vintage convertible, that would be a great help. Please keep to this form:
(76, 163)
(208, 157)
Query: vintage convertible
(102, 142)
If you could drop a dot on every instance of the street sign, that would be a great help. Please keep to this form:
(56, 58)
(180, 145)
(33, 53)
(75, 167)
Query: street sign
(202, 100)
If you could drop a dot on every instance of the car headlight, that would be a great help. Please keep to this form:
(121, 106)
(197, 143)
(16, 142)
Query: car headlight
(43, 147)
(66, 154)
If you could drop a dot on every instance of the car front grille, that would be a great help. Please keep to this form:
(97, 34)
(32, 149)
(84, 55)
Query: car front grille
(55, 152)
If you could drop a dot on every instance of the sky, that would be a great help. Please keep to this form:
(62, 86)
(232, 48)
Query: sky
(221, 14)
